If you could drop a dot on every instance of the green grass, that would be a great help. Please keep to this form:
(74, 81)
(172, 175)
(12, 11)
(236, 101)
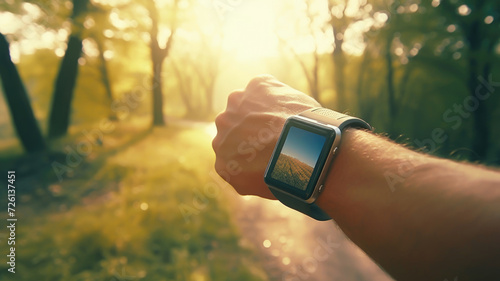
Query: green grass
(118, 218)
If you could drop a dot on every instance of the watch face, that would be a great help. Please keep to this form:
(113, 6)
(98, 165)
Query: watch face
(299, 157)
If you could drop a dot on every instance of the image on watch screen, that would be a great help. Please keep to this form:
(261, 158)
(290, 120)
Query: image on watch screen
(298, 157)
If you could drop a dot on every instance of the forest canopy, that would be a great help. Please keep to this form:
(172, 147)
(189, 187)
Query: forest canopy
(410, 67)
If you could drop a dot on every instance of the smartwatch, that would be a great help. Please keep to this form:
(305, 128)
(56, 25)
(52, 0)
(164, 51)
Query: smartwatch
(302, 156)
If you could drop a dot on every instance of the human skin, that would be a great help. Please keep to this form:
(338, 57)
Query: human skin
(419, 217)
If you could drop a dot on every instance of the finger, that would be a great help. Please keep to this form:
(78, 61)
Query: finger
(234, 99)
(221, 125)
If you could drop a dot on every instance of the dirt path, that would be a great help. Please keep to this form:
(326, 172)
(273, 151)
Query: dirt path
(296, 247)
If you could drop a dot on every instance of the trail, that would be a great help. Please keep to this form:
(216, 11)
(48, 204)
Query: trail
(296, 247)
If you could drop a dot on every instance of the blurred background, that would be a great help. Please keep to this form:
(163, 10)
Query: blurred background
(107, 113)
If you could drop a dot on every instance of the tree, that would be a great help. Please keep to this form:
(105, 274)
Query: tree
(158, 55)
(196, 60)
(398, 42)
(479, 29)
(103, 69)
(65, 83)
(21, 112)
(365, 104)
(438, 27)
(340, 21)
(309, 65)
(208, 70)
(196, 72)
(95, 29)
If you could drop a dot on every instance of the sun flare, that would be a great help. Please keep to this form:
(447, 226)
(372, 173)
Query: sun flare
(250, 31)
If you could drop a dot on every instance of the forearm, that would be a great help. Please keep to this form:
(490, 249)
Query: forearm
(419, 217)
(415, 215)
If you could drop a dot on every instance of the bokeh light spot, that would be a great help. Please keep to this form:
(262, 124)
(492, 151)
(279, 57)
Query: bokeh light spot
(266, 243)
(464, 10)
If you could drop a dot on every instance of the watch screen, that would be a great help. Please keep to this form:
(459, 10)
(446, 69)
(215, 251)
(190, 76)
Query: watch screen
(298, 157)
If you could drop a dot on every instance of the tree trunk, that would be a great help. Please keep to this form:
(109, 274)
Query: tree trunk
(339, 66)
(315, 77)
(158, 55)
(481, 137)
(361, 79)
(208, 84)
(18, 102)
(184, 89)
(402, 93)
(391, 95)
(158, 117)
(64, 88)
(210, 90)
(60, 111)
(103, 68)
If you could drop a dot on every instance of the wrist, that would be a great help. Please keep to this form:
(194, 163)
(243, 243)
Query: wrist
(297, 170)
(357, 175)
(358, 186)
(345, 173)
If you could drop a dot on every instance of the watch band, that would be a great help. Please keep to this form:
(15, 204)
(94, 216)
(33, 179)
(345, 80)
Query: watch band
(312, 210)
(330, 117)
(337, 119)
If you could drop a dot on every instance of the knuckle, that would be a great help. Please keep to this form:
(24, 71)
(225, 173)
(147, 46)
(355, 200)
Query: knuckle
(218, 120)
(215, 144)
(219, 167)
(221, 122)
(259, 81)
(234, 98)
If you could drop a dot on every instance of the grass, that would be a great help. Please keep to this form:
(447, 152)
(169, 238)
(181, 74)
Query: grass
(118, 217)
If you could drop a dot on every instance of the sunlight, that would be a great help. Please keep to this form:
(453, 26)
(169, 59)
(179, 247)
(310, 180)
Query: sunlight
(59, 52)
(31, 35)
(353, 37)
(90, 48)
(211, 130)
(10, 23)
(144, 206)
(15, 52)
(249, 31)
(252, 29)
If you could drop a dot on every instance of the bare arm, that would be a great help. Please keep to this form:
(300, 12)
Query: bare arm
(419, 217)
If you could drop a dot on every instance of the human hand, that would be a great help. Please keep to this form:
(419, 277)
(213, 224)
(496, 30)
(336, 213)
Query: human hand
(249, 129)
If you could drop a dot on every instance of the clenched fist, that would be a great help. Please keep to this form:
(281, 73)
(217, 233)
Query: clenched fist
(249, 129)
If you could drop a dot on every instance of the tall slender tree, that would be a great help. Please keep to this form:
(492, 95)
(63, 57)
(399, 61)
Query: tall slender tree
(18, 102)
(340, 21)
(310, 65)
(60, 112)
(158, 56)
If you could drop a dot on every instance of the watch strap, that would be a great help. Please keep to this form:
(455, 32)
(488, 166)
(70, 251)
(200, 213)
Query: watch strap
(330, 117)
(312, 210)
(337, 119)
